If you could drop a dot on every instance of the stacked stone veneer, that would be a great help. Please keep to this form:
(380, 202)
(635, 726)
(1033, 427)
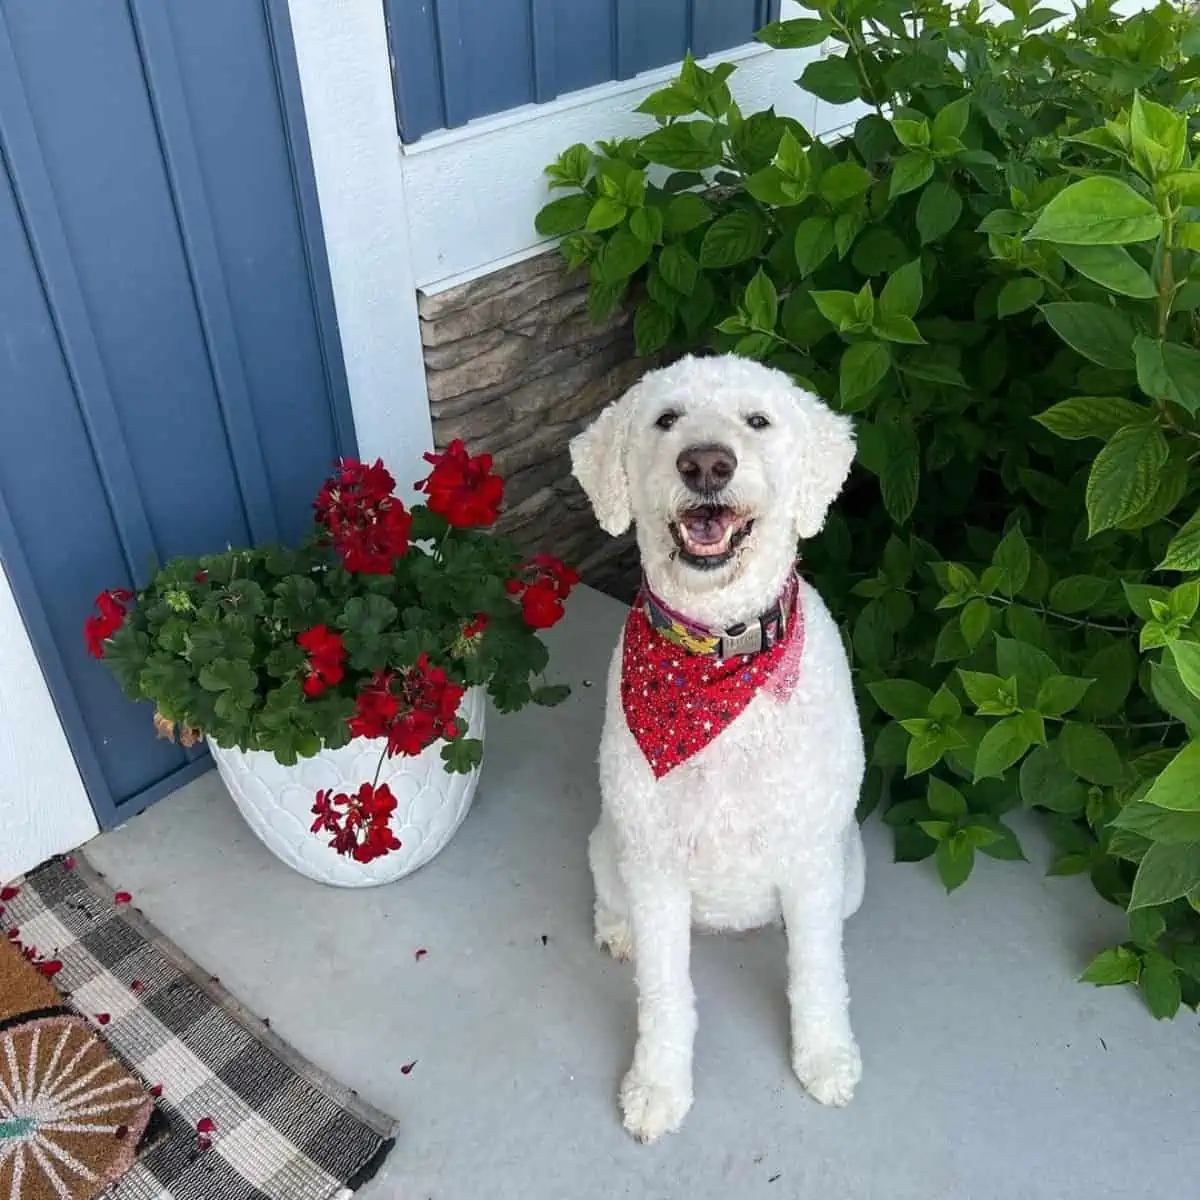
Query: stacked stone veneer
(516, 368)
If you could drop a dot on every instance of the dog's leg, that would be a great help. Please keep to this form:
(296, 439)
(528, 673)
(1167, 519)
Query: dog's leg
(856, 870)
(612, 909)
(824, 1054)
(657, 1091)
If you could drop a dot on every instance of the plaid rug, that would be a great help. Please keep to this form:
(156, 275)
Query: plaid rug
(249, 1118)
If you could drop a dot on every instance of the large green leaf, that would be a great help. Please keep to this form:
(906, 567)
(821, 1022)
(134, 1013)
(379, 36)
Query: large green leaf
(955, 857)
(1112, 267)
(1017, 295)
(912, 171)
(732, 239)
(900, 478)
(901, 295)
(902, 699)
(863, 366)
(938, 211)
(1100, 333)
(1168, 371)
(1158, 824)
(1168, 871)
(814, 243)
(1183, 553)
(834, 80)
(1112, 967)
(795, 34)
(1124, 475)
(685, 145)
(1178, 786)
(1090, 753)
(1093, 416)
(1098, 211)
(678, 268)
(1002, 745)
(564, 216)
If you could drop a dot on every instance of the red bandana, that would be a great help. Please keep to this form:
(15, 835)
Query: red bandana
(677, 702)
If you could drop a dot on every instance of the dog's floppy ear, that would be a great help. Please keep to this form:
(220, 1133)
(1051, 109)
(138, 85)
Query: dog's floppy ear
(826, 453)
(598, 462)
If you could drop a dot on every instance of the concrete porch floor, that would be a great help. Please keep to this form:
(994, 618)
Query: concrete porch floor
(989, 1073)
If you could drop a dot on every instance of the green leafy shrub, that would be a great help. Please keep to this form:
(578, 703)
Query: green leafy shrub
(997, 271)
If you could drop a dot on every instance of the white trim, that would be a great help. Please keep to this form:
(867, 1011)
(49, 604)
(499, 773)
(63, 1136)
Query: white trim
(345, 78)
(44, 807)
(473, 193)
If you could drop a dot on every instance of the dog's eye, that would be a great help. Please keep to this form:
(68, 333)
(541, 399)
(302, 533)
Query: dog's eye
(667, 420)
(758, 421)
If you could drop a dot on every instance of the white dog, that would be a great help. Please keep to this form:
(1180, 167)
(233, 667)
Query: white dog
(732, 757)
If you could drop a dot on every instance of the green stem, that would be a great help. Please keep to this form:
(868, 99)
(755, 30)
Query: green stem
(856, 47)
(1166, 279)
(1075, 622)
(1127, 725)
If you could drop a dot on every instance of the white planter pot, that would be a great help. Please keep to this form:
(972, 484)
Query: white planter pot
(277, 802)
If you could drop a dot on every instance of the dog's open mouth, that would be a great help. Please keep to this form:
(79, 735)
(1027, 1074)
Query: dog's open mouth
(709, 534)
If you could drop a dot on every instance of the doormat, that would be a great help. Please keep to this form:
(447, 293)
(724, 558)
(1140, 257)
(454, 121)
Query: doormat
(72, 1116)
(248, 1117)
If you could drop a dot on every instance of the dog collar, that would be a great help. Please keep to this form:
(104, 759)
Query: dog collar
(763, 633)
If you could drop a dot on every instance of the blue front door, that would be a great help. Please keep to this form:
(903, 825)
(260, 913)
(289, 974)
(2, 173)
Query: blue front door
(170, 373)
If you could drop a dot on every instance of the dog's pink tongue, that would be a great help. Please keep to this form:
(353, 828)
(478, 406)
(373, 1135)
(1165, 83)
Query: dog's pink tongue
(705, 530)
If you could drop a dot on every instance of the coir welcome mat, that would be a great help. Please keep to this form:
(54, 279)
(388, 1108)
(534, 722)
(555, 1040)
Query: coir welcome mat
(72, 1117)
(248, 1118)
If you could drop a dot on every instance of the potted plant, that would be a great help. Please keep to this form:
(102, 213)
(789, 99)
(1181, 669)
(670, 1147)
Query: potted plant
(340, 683)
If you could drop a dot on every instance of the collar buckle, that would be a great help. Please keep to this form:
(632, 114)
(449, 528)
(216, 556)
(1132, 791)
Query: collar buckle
(743, 639)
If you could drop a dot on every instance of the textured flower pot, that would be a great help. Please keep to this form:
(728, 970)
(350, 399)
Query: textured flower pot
(277, 802)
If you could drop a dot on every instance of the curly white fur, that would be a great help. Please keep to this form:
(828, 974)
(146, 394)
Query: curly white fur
(759, 825)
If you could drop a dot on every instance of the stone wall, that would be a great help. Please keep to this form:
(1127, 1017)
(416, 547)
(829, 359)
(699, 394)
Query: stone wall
(516, 368)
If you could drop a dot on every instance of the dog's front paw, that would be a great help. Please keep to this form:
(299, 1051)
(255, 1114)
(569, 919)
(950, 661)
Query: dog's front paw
(652, 1107)
(614, 934)
(829, 1073)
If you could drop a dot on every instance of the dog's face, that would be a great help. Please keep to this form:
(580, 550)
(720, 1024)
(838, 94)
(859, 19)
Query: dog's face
(722, 463)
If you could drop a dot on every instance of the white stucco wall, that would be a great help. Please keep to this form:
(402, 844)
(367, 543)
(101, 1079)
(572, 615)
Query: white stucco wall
(44, 809)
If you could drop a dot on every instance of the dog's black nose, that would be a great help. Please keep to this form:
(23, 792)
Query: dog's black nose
(706, 468)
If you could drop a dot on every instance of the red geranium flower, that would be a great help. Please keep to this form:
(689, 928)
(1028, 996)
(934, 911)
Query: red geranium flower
(542, 585)
(541, 606)
(326, 653)
(463, 489)
(477, 627)
(368, 526)
(98, 629)
(411, 710)
(360, 824)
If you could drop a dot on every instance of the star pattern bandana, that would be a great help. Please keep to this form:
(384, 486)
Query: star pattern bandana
(676, 701)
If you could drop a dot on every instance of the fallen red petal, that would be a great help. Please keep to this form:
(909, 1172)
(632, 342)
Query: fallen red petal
(13, 934)
(122, 898)
(8, 893)
(70, 862)
(137, 986)
(408, 1067)
(103, 1018)
(50, 968)
(206, 1125)
(156, 1090)
(203, 1142)
(420, 954)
